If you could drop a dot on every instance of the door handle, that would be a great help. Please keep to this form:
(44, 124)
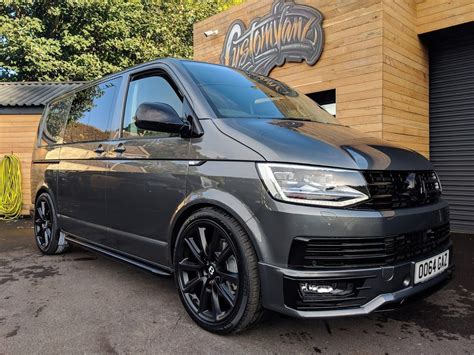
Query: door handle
(120, 148)
(100, 149)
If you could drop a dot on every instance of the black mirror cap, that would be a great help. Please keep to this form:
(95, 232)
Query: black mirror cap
(158, 116)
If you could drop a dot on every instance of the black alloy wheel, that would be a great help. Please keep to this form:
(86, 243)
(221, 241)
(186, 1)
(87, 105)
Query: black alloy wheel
(46, 229)
(212, 272)
(208, 271)
(43, 224)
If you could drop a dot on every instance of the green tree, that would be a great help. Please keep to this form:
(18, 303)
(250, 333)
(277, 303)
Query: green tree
(85, 39)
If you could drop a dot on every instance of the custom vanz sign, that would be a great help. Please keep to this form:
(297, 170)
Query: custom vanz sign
(289, 33)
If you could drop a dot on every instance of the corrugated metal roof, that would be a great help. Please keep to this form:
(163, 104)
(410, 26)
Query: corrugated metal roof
(32, 94)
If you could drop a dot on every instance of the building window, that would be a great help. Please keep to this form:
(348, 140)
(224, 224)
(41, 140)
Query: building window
(326, 99)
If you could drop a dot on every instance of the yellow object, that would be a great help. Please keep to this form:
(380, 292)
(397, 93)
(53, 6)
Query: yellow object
(10, 187)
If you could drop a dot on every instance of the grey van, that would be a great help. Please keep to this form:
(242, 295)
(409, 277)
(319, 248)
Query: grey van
(247, 191)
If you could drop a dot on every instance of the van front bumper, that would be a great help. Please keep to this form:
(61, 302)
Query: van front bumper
(374, 288)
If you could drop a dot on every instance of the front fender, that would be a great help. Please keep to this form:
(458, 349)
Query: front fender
(227, 202)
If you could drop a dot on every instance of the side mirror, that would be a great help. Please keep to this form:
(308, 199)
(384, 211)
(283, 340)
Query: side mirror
(157, 116)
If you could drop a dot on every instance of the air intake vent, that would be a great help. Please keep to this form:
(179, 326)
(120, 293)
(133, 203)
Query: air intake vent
(344, 252)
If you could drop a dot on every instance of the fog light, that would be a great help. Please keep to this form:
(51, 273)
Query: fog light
(326, 288)
(313, 288)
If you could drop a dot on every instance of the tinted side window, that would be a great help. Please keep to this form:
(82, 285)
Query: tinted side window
(55, 121)
(155, 88)
(90, 113)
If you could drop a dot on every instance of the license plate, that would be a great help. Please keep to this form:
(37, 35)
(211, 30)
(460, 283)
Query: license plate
(426, 269)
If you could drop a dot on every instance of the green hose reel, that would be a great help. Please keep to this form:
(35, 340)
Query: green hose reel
(11, 200)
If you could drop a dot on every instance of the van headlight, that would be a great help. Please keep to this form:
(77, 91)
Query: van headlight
(313, 185)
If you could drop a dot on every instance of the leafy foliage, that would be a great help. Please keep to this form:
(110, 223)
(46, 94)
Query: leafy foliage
(86, 39)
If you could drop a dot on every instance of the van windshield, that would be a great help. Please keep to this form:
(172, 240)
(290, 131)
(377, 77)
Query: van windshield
(234, 93)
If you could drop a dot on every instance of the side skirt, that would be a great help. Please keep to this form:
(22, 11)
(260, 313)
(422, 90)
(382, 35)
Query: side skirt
(153, 268)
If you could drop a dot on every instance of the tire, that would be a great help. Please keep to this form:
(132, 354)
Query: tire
(217, 278)
(48, 236)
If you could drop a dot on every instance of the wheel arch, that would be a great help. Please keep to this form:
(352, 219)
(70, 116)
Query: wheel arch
(227, 203)
(43, 188)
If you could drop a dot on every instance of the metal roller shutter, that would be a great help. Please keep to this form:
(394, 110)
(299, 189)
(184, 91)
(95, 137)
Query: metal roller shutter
(452, 120)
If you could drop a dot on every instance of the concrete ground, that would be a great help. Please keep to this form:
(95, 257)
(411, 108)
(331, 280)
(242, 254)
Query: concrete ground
(80, 302)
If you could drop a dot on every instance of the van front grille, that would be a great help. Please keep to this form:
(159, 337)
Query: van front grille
(400, 189)
(344, 252)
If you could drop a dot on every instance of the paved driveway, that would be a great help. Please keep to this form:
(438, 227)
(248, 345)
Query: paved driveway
(84, 303)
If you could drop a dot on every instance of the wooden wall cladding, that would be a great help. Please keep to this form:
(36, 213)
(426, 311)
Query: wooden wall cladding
(405, 78)
(17, 135)
(433, 15)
